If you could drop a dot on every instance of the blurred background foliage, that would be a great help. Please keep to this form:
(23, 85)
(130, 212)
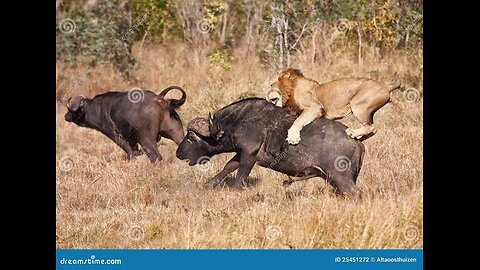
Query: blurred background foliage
(218, 32)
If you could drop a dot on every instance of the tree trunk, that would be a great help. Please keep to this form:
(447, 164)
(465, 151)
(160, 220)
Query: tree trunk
(224, 28)
(285, 40)
(279, 39)
(407, 37)
(313, 45)
(248, 34)
(90, 4)
(359, 34)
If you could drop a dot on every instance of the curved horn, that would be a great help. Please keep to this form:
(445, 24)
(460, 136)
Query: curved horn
(69, 106)
(174, 102)
(73, 103)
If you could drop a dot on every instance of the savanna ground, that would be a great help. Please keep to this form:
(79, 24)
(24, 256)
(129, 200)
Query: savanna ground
(104, 201)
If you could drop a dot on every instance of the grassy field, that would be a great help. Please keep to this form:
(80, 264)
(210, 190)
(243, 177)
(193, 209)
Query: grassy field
(104, 201)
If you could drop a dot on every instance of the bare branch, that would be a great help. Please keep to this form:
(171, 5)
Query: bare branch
(300, 36)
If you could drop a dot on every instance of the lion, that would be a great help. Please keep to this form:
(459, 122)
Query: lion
(333, 100)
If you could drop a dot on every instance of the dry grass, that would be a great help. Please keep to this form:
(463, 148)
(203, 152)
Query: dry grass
(104, 201)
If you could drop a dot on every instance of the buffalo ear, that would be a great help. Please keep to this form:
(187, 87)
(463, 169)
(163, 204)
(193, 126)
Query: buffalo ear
(210, 119)
(83, 102)
(219, 134)
(214, 131)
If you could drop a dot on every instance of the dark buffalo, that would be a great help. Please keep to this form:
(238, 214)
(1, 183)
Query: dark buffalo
(131, 118)
(256, 130)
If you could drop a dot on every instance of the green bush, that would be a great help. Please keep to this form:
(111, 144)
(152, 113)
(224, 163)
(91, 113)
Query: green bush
(95, 37)
(104, 34)
(220, 57)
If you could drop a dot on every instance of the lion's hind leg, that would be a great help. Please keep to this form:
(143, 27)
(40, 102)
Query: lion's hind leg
(339, 113)
(361, 131)
(364, 104)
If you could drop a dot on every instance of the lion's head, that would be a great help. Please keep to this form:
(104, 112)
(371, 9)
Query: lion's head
(281, 91)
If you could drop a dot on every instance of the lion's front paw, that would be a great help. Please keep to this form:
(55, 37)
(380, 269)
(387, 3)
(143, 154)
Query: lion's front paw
(293, 137)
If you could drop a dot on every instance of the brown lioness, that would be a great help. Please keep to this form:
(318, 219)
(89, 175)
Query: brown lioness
(332, 100)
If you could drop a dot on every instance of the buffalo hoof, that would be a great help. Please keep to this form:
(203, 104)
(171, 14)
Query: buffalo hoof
(137, 153)
(213, 183)
(156, 160)
(353, 197)
(287, 183)
(352, 194)
(237, 187)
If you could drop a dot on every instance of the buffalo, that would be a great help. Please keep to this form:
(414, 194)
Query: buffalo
(256, 130)
(131, 118)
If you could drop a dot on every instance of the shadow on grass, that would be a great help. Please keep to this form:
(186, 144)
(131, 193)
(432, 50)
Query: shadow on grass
(229, 181)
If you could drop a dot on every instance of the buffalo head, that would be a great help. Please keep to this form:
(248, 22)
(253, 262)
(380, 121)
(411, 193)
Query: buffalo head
(201, 142)
(76, 109)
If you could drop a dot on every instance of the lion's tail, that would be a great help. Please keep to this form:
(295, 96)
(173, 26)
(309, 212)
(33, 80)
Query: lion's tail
(395, 83)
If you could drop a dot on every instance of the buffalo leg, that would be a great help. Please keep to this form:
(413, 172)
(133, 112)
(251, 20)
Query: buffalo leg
(150, 148)
(148, 141)
(231, 166)
(343, 184)
(132, 140)
(247, 161)
(120, 141)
